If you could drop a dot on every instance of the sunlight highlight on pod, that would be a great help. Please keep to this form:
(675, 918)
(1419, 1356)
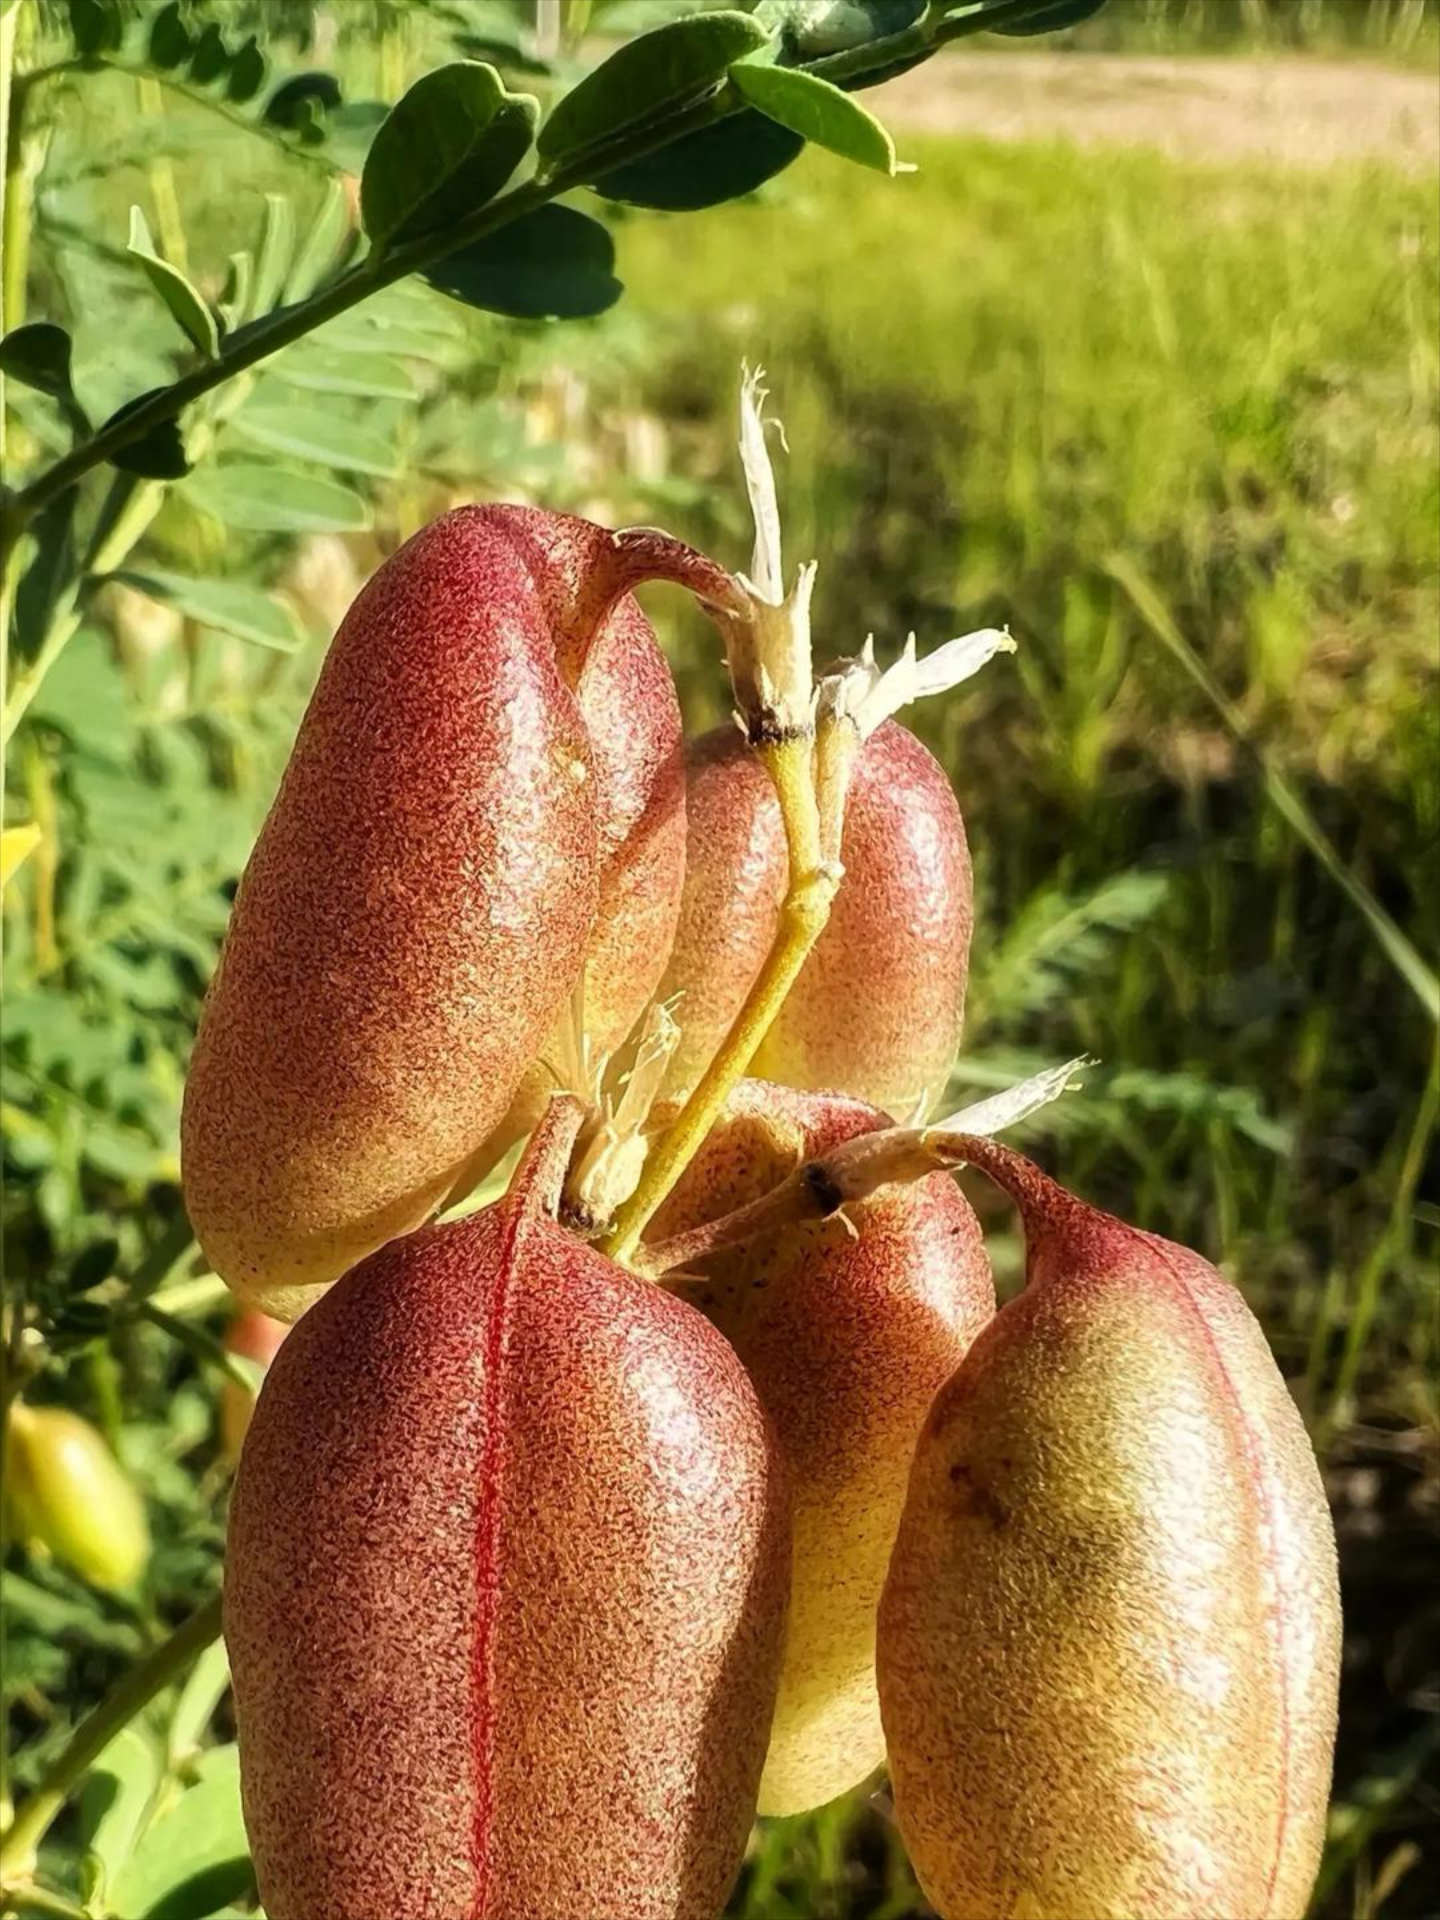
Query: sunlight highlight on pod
(847, 1327)
(484, 799)
(1109, 1639)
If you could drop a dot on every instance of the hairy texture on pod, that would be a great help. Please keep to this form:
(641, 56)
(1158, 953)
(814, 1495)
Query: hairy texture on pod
(505, 1591)
(847, 1328)
(628, 703)
(425, 891)
(251, 1335)
(70, 1496)
(879, 1005)
(1109, 1640)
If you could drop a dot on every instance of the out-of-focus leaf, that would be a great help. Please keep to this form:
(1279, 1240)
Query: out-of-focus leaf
(158, 454)
(554, 264)
(171, 43)
(49, 568)
(818, 112)
(84, 696)
(93, 1267)
(38, 356)
(373, 376)
(211, 55)
(113, 1803)
(705, 168)
(447, 147)
(293, 102)
(230, 606)
(194, 1860)
(277, 250)
(247, 72)
(239, 279)
(324, 245)
(265, 499)
(663, 71)
(98, 26)
(309, 434)
(205, 1687)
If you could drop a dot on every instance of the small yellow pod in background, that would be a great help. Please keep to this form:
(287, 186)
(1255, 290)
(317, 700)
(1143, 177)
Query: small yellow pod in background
(70, 1496)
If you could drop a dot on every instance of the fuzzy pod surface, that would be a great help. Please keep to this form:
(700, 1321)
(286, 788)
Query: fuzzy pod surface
(879, 1005)
(1109, 1640)
(505, 1591)
(848, 1328)
(449, 839)
(631, 713)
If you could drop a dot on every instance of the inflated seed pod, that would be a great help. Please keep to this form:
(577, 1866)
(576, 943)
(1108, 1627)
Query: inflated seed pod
(1109, 1639)
(895, 953)
(482, 797)
(69, 1495)
(847, 1327)
(505, 1589)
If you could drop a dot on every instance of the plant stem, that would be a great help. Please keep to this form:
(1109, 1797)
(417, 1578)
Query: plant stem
(128, 511)
(168, 223)
(190, 96)
(38, 1900)
(90, 1739)
(803, 914)
(15, 243)
(255, 343)
(11, 190)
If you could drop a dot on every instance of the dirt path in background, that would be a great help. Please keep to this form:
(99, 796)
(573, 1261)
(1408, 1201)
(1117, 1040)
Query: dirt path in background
(1305, 113)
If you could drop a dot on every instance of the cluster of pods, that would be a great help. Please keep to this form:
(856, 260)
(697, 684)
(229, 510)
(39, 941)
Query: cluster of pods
(547, 1571)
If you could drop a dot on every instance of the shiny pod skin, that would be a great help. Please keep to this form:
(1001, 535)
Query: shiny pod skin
(505, 1591)
(452, 840)
(69, 1495)
(894, 956)
(1109, 1640)
(847, 1332)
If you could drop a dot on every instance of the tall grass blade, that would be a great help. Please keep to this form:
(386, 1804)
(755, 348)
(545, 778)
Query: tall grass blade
(1393, 942)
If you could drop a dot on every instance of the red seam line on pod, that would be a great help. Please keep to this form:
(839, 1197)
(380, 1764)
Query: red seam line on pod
(1260, 1480)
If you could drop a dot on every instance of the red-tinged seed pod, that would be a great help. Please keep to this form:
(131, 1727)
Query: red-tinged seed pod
(1109, 1640)
(505, 1590)
(628, 702)
(425, 891)
(894, 956)
(847, 1327)
(70, 1496)
(251, 1335)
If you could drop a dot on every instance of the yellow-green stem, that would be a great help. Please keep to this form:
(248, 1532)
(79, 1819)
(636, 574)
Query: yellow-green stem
(168, 223)
(40, 1900)
(15, 226)
(22, 1838)
(129, 523)
(45, 861)
(803, 915)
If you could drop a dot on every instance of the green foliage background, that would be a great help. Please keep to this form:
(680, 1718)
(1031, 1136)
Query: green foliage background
(1175, 424)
